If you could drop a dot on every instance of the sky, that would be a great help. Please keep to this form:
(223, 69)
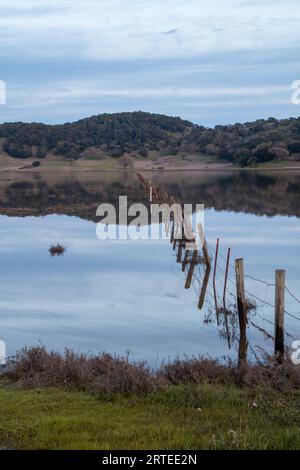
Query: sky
(216, 62)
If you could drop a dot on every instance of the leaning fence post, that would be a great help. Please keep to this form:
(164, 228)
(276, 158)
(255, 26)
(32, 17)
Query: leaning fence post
(279, 314)
(226, 279)
(193, 263)
(204, 287)
(215, 272)
(179, 253)
(172, 232)
(204, 244)
(241, 303)
(185, 260)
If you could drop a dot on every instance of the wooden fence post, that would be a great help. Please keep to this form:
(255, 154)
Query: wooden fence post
(226, 279)
(204, 287)
(193, 263)
(214, 278)
(204, 244)
(279, 314)
(241, 303)
(185, 260)
(179, 253)
(172, 232)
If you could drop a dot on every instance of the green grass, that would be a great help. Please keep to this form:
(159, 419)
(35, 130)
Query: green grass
(179, 417)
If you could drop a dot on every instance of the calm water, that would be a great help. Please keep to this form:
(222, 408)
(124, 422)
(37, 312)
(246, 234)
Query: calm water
(120, 296)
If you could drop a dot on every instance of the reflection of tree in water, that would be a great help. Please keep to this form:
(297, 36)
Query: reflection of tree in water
(250, 192)
(71, 197)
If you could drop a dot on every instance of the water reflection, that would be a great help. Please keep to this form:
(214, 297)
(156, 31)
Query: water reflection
(129, 295)
(79, 194)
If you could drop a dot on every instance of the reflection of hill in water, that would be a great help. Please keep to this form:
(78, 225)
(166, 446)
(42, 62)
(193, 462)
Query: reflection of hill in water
(79, 195)
(255, 193)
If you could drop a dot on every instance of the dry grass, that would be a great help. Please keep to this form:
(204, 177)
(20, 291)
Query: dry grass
(37, 368)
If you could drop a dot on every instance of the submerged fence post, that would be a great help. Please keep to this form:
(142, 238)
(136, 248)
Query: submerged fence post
(193, 263)
(172, 232)
(185, 260)
(179, 253)
(204, 287)
(241, 303)
(226, 279)
(214, 278)
(204, 244)
(279, 314)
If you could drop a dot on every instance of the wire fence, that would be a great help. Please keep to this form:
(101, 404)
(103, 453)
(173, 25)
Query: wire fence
(216, 285)
(223, 270)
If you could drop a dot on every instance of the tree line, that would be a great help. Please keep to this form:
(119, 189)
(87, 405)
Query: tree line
(139, 133)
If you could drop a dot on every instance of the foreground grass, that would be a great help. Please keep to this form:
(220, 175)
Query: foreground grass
(178, 417)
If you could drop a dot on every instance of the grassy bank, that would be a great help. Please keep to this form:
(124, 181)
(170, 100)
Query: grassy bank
(189, 416)
(71, 401)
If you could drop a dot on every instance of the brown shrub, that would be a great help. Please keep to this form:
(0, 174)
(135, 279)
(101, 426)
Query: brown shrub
(197, 370)
(37, 368)
(57, 250)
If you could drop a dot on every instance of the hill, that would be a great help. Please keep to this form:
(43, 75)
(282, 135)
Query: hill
(139, 134)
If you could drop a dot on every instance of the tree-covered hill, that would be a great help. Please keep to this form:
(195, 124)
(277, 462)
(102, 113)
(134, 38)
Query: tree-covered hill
(139, 133)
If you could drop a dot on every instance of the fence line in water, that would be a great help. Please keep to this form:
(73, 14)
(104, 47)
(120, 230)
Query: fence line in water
(188, 255)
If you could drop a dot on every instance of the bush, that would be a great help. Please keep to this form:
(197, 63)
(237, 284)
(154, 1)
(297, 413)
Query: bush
(37, 368)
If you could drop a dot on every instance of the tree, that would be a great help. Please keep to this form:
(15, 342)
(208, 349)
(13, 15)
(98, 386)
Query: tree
(280, 153)
(125, 162)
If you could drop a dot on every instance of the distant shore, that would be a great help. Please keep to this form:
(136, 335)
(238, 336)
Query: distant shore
(98, 168)
(54, 164)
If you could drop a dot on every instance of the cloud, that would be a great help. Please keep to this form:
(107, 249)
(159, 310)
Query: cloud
(209, 62)
(131, 29)
(62, 92)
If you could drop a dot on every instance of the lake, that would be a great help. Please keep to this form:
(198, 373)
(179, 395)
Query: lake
(124, 296)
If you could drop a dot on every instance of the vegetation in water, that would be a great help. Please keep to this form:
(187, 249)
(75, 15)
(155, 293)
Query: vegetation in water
(57, 250)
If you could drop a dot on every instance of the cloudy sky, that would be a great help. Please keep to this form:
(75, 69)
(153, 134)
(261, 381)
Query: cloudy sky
(213, 62)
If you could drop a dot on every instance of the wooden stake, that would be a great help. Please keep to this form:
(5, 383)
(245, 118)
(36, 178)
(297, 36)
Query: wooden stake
(279, 314)
(224, 298)
(181, 244)
(185, 260)
(188, 228)
(179, 253)
(204, 245)
(204, 287)
(172, 232)
(193, 262)
(214, 278)
(241, 303)
(226, 278)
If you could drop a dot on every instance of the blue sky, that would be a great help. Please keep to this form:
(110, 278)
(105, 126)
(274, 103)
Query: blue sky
(216, 62)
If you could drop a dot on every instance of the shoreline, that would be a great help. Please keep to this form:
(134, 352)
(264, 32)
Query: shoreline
(213, 168)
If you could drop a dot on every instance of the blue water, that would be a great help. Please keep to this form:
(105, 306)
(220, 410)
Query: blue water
(120, 296)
